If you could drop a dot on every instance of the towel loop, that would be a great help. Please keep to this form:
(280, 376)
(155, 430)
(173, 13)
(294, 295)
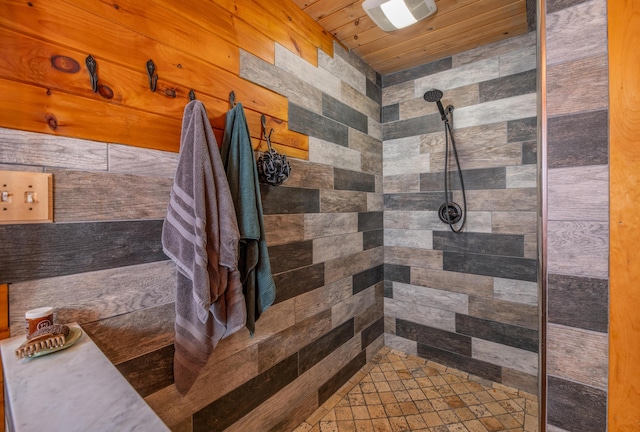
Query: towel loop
(273, 167)
(232, 99)
(192, 95)
(93, 72)
(153, 76)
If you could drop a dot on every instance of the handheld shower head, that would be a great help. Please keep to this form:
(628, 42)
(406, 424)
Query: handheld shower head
(434, 95)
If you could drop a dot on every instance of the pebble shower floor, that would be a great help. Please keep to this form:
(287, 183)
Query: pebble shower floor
(396, 392)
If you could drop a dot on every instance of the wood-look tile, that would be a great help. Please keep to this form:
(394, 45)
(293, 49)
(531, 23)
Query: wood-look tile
(516, 314)
(368, 221)
(364, 143)
(398, 93)
(406, 164)
(503, 200)
(151, 372)
(343, 69)
(576, 407)
(578, 302)
(367, 278)
(500, 333)
(141, 161)
(578, 139)
(401, 344)
(354, 181)
(491, 265)
(421, 239)
(344, 114)
(520, 380)
(459, 97)
(360, 102)
(375, 129)
(413, 201)
(290, 256)
(391, 113)
(413, 257)
(281, 229)
(522, 176)
(515, 291)
(319, 78)
(353, 306)
(486, 178)
(459, 76)
(371, 163)
(467, 364)
(374, 348)
(529, 153)
(420, 314)
(29, 148)
(411, 127)
(516, 222)
(25, 168)
(577, 86)
(312, 124)
(579, 193)
(372, 239)
(466, 283)
(520, 60)
(577, 32)
(494, 155)
(355, 61)
(225, 411)
(401, 147)
(297, 415)
(348, 266)
(324, 345)
(295, 282)
(310, 175)
(482, 137)
(512, 108)
(434, 298)
(375, 202)
(289, 200)
(374, 92)
(508, 86)
(434, 337)
(522, 129)
(330, 224)
(556, 5)
(372, 314)
(499, 48)
(416, 72)
(322, 298)
(338, 246)
(401, 183)
(124, 337)
(335, 201)
(397, 273)
(506, 356)
(578, 355)
(339, 379)
(69, 248)
(479, 243)
(289, 341)
(94, 296)
(578, 248)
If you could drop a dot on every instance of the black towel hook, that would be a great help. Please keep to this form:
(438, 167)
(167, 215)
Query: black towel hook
(92, 67)
(192, 95)
(263, 119)
(232, 99)
(153, 76)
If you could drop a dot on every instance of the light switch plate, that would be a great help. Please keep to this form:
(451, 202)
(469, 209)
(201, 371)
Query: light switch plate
(25, 197)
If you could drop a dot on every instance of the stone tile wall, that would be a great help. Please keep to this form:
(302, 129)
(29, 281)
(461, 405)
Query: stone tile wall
(467, 300)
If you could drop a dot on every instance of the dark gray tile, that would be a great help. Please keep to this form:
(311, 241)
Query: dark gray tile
(416, 72)
(397, 273)
(531, 15)
(371, 333)
(353, 180)
(413, 201)
(224, 412)
(378, 80)
(372, 239)
(369, 221)
(324, 345)
(367, 278)
(310, 123)
(556, 5)
(391, 113)
(576, 407)
(483, 178)
(332, 385)
(374, 92)
(522, 130)
(490, 265)
(529, 153)
(338, 111)
(288, 200)
(412, 127)
(508, 86)
(436, 338)
(467, 364)
(291, 256)
(388, 289)
(479, 243)
(579, 302)
(36, 251)
(295, 282)
(505, 334)
(578, 139)
(520, 380)
(150, 372)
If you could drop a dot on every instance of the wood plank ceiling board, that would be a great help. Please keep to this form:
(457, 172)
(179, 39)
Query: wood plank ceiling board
(457, 26)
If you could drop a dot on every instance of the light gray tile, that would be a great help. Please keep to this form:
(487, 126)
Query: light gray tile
(375, 128)
(401, 183)
(552, 428)
(502, 47)
(142, 161)
(516, 291)
(506, 356)
(576, 32)
(401, 344)
(579, 193)
(495, 155)
(399, 147)
(29, 148)
(360, 102)
(459, 97)
(372, 164)
(329, 248)
(413, 257)
(420, 314)
(531, 246)
(329, 224)
(578, 355)
(517, 222)
(343, 70)
(421, 239)
(513, 108)
(465, 283)
(323, 298)
(522, 176)
(354, 60)
(389, 324)
(476, 72)
(518, 61)
(578, 248)
(411, 164)
(317, 77)
(324, 152)
(433, 142)
(398, 93)
(282, 229)
(364, 143)
(354, 305)
(502, 199)
(24, 168)
(395, 219)
(348, 266)
(477, 221)
(445, 300)
(375, 202)
(374, 347)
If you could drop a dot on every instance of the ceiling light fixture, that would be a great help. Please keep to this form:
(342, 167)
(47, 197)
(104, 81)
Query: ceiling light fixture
(392, 15)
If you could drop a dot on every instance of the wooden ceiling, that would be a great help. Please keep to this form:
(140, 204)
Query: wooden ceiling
(457, 26)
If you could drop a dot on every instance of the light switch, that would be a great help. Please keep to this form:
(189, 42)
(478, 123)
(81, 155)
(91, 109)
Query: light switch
(25, 197)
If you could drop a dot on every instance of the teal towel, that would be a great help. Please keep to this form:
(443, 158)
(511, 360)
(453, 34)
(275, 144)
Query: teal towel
(239, 163)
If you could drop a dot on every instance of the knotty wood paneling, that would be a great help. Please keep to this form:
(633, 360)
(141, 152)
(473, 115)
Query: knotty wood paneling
(624, 134)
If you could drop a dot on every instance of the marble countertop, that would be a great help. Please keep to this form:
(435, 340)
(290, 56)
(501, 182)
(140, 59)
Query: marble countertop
(76, 389)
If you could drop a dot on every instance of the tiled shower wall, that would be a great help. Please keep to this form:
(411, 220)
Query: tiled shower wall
(578, 213)
(101, 262)
(467, 300)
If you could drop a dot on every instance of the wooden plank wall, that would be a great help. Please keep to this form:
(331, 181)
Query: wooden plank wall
(45, 85)
(624, 91)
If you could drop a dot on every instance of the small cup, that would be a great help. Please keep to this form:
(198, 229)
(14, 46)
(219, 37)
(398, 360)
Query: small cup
(38, 318)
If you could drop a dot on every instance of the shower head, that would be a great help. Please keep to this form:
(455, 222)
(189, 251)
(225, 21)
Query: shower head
(434, 95)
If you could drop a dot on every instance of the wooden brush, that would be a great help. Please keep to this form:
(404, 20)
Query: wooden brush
(46, 338)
